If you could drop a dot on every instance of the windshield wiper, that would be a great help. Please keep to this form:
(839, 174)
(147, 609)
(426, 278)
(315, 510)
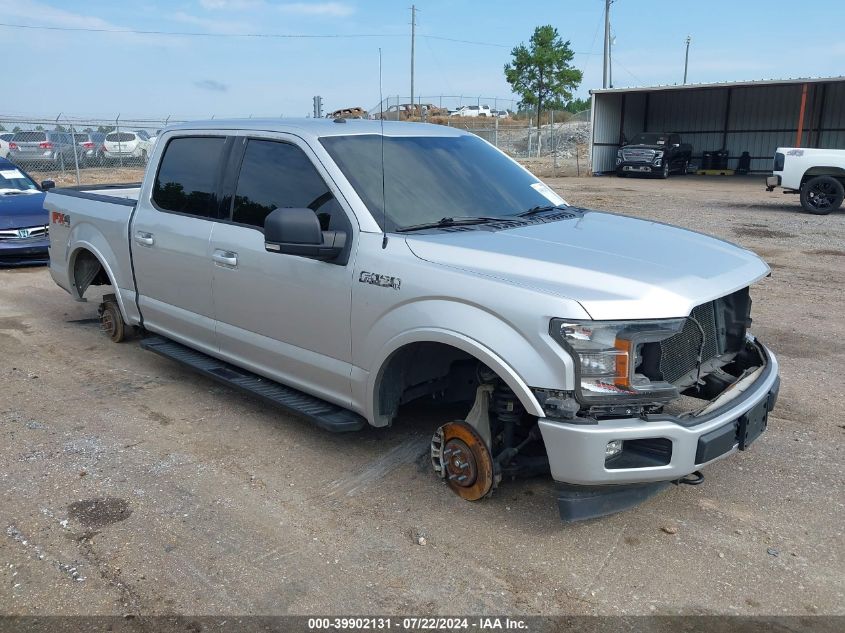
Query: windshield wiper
(446, 222)
(539, 209)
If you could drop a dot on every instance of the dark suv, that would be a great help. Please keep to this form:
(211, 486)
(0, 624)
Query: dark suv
(36, 148)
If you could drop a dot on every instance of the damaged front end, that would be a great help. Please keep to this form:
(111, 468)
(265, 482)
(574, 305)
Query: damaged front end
(654, 402)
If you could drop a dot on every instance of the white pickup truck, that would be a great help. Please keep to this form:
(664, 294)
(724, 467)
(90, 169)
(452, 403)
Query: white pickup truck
(344, 270)
(817, 175)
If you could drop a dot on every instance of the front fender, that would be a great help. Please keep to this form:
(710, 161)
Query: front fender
(460, 341)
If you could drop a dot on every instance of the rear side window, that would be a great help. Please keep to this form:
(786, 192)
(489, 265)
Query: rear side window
(187, 176)
(122, 137)
(276, 175)
(30, 137)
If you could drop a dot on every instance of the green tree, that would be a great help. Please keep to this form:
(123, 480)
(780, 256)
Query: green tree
(541, 73)
(578, 105)
(17, 128)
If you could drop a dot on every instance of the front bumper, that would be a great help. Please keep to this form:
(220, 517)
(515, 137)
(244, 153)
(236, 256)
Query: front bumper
(577, 451)
(639, 168)
(29, 253)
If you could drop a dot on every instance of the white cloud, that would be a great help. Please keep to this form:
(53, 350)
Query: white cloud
(27, 11)
(332, 9)
(230, 4)
(211, 25)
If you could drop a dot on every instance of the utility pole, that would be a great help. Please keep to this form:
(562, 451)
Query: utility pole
(606, 69)
(686, 59)
(413, 36)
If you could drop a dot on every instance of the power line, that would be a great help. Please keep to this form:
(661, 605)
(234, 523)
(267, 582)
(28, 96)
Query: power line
(80, 29)
(198, 34)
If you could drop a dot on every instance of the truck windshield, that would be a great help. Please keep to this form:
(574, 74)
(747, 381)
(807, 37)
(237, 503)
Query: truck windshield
(650, 139)
(427, 178)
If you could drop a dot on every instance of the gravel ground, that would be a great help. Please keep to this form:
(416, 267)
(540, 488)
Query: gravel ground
(129, 485)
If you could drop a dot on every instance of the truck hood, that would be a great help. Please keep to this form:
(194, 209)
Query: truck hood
(21, 211)
(616, 267)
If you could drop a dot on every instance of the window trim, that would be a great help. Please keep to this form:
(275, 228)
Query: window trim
(217, 177)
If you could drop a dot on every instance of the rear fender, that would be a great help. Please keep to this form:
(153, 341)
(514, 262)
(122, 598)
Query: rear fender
(85, 237)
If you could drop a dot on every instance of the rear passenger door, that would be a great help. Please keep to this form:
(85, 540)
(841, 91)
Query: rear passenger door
(170, 239)
(283, 316)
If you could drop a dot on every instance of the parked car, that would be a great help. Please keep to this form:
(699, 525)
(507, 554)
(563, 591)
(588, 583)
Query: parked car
(42, 148)
(472, 111)
(4, 144)
(659, 153)
(23, 220)
(90, 147)
(129, 146)
(350, 274)
(816, 175)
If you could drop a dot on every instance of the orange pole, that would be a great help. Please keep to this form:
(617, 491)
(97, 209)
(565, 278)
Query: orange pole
(801, 117)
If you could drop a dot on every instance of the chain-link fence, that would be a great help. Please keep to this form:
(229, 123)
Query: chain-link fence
(76, 150)
(72, 150)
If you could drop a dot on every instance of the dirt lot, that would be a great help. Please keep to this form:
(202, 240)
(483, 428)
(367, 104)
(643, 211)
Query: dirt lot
(129, 485)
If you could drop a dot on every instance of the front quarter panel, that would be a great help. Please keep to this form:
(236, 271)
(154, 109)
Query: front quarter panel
(399, 299)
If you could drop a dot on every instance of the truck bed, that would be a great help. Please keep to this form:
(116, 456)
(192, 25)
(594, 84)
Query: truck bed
(93, 218)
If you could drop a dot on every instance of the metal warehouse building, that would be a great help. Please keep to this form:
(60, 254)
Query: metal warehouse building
(753, 116)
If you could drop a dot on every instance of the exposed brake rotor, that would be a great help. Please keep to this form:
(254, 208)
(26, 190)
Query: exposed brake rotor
(461, 457)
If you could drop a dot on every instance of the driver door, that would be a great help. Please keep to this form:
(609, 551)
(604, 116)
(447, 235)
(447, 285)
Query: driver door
(283, 316)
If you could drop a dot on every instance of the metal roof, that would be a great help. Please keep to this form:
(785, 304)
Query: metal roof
(725, 84)
(316, 128)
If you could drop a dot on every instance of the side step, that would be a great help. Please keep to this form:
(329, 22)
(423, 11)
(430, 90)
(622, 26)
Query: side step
(324, 414)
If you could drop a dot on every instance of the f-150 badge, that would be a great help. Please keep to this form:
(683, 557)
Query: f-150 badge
(385, 281)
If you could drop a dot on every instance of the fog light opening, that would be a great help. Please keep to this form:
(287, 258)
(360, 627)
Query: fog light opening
(613, 448)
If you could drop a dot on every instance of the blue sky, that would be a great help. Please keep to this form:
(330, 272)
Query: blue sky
(101, 74)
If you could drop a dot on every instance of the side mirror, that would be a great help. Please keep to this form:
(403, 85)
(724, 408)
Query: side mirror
(47, 184)
(298, 232)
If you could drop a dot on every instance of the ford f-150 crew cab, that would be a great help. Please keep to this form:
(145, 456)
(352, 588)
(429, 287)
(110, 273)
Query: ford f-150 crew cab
(817, 175)
(342, 270)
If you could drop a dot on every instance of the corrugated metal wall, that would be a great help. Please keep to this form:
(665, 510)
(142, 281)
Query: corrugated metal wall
(753, 119)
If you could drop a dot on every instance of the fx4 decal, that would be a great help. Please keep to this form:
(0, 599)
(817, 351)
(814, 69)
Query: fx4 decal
(60, 218)
(385, 281)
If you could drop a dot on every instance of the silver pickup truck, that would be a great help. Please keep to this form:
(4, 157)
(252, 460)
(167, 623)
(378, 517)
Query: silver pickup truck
(344, 269)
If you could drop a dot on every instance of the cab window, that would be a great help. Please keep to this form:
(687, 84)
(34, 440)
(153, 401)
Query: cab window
(187, 176)
(278, 175)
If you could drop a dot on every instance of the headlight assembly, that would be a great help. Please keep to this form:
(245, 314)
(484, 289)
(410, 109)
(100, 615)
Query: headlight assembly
(608, 355)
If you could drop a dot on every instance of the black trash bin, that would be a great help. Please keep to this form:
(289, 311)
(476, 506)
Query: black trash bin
(744, 164)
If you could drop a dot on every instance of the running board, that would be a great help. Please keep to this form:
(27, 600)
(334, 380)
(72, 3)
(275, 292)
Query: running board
(324, 414)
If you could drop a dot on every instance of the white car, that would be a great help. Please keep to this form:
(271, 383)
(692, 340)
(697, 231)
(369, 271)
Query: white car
(472, 111)
(130, 146)
(818, 175)
(4, 144)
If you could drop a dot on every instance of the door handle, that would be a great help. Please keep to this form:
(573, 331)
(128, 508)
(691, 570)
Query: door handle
(145, 239)
(225, 258)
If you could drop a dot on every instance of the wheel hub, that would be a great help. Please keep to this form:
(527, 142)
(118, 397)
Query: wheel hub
(460, 464)
(461, 457)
